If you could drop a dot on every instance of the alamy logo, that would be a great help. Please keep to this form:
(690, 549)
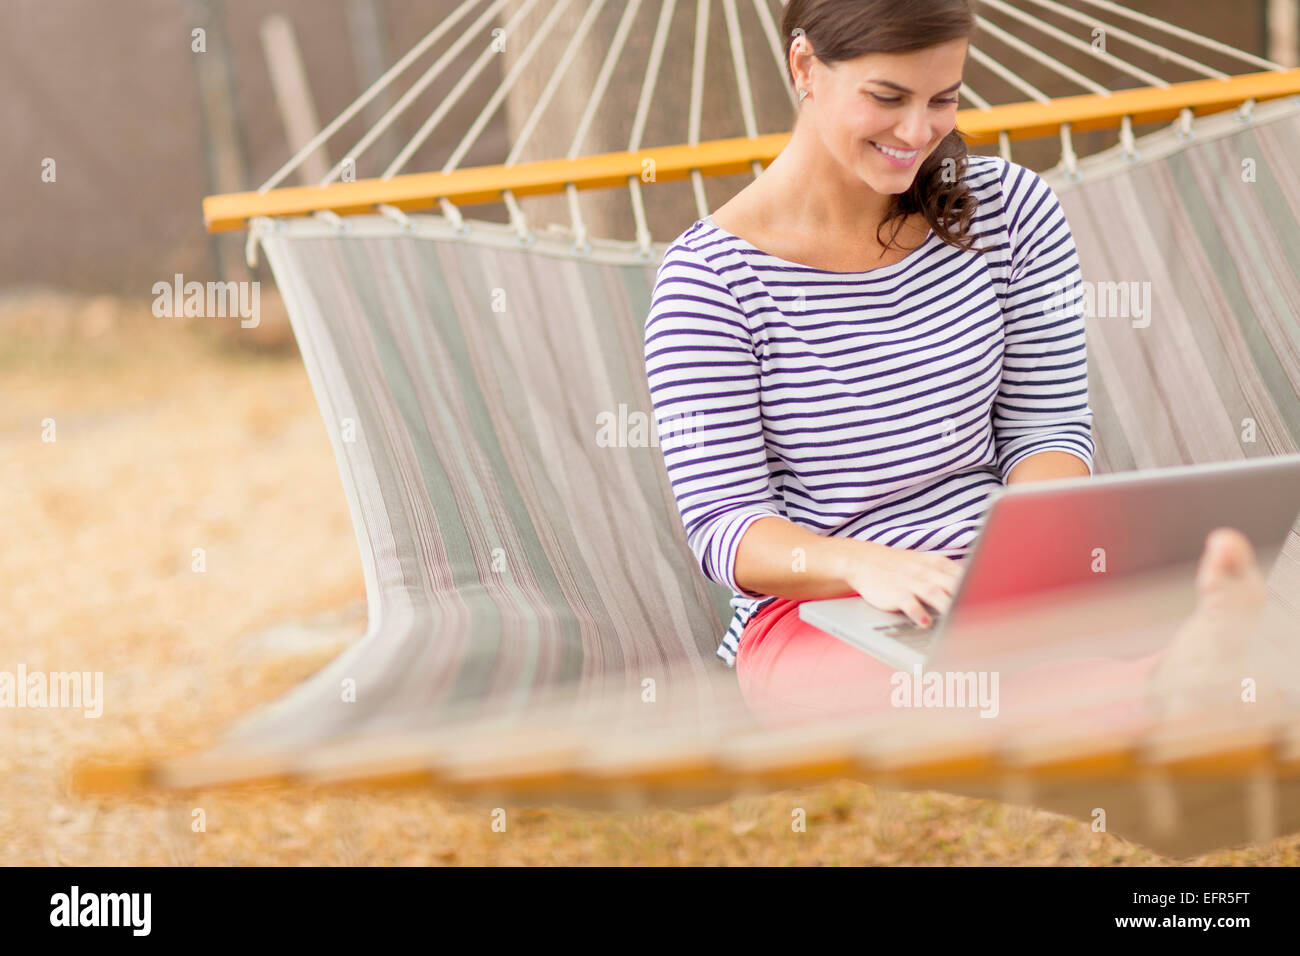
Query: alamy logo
(946, 689)
(71, 689)
(214, 300)
(1101, 300)
(102, 909)
(634, 429)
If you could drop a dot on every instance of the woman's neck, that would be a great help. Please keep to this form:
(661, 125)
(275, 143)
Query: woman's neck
(816, 194)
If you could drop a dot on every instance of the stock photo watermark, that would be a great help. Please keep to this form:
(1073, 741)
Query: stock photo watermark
(63, 690)
(626, 428)
(211, 300)
(129, 910)
(945, 689)
(1101, 300)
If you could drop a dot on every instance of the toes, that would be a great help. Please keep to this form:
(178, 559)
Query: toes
(1228, 555)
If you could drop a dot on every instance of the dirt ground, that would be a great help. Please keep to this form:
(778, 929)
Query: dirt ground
(169, 439)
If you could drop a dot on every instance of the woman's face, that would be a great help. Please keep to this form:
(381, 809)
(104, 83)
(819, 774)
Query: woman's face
(882, 114)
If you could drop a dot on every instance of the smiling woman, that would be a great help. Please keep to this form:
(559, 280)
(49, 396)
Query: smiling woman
(875, 140)
(878, 82)
(855, 397)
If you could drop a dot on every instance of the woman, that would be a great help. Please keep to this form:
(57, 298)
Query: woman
(849, 356)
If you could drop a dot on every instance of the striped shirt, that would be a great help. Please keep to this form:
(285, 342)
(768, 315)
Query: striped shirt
(884, 405)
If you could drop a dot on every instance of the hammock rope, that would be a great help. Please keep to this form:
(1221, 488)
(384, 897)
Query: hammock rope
(1069, 158)
(1177, 31)
(424, 82)
(379, 86)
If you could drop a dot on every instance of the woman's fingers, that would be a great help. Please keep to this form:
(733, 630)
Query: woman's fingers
(946, 578)
(938, 598)
(916, 611)
(907, 581)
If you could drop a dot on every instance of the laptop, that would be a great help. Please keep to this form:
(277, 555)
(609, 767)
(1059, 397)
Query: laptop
(1049, 539)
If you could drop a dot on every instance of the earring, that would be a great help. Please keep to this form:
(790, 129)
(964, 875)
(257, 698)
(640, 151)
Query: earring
(802, 94)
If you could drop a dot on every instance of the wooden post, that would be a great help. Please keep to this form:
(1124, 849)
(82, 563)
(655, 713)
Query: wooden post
(293, 96)
(222, 149)
(368, 35)
(1284, 32)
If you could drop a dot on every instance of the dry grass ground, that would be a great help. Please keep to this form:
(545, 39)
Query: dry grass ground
(167, 441)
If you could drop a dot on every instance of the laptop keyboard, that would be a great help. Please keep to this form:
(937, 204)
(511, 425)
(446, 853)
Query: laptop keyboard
(909, 634)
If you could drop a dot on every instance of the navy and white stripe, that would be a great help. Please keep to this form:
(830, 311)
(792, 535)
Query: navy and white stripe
(883, 405)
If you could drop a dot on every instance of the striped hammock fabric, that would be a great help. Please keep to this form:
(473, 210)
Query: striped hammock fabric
(488, 407)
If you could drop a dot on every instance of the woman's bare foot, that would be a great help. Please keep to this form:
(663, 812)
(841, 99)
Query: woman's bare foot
(1228, 580)
(1205, 664)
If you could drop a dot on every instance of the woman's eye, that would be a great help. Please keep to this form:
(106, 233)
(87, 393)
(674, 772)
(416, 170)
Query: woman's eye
(898, 99)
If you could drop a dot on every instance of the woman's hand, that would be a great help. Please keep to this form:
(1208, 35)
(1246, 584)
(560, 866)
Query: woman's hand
(778, 557)
(897, 579)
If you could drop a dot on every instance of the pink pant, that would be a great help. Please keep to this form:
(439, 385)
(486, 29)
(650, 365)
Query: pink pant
(790, 671)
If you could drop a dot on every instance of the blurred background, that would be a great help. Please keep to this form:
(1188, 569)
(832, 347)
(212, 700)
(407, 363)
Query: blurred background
(167, 435)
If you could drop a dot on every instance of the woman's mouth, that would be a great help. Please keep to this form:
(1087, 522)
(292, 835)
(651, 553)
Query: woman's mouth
(902, 158)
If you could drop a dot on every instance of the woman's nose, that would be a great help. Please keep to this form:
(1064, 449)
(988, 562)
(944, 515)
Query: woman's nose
(915, 129)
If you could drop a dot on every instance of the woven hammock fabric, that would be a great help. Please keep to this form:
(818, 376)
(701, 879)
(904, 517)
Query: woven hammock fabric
(488, 408)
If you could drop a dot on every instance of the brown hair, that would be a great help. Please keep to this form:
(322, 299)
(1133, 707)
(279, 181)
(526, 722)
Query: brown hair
(847, 29)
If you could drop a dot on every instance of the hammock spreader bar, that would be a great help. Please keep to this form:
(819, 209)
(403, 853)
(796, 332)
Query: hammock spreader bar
(485, 184)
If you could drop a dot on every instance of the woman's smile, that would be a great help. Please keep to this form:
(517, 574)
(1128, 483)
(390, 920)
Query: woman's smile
(901, 158)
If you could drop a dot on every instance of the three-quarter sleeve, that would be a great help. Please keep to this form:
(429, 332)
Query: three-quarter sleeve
(705, 387)
(1042, 402)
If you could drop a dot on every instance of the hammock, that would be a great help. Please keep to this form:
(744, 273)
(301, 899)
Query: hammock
(537, 631)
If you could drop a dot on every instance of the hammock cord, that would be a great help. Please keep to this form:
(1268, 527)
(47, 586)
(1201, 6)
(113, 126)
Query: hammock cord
(563, 68)
(742, 76)
(1182, 34)
(774, 43)
(697, 99)
(414, 92)
(1052, 63)
(601, 85)
(432, 37)
(1069, 158)
(495, 100)
(643, 237)
(1163, 52)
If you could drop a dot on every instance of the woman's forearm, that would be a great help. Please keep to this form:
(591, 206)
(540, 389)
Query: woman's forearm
(1047, 466)
(777, 557)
